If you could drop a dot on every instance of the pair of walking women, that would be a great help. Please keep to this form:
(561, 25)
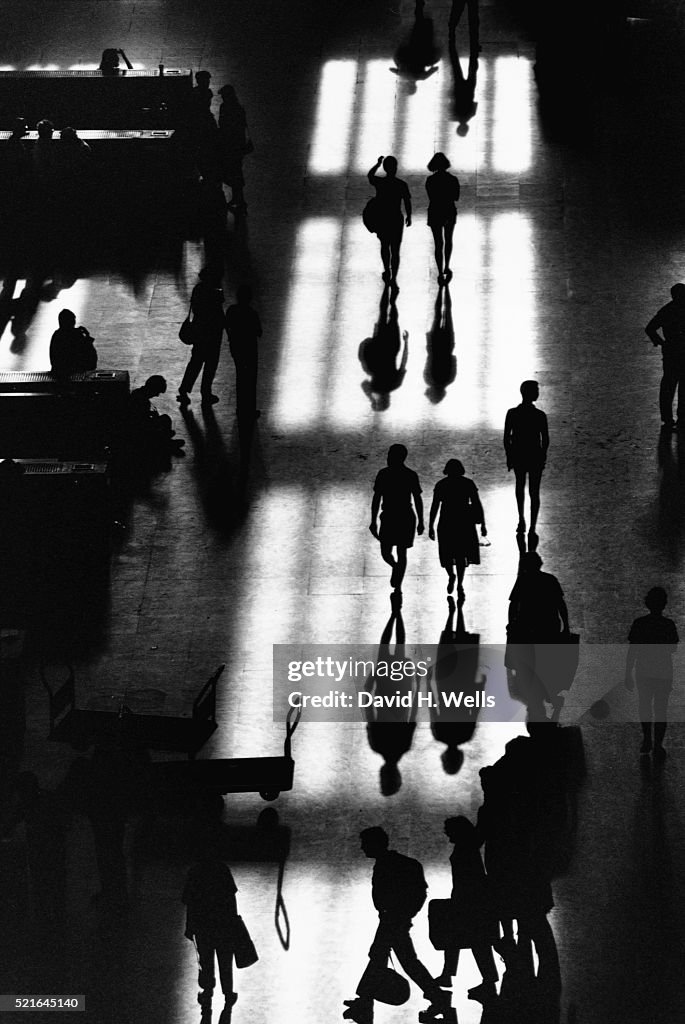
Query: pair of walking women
(392, 194)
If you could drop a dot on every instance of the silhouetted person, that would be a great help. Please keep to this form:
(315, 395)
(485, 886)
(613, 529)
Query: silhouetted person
(207, 309)
(472, 908)
(390, 730)
(391, 194)
(652, 641)
(384, 355)
(202, 94)
(538, 620)
(109, 62)
(441, 362)
(153, 433)
(455, 672)
(209, 896)
(443, 195)
(396, 487)
(72, 349)
(243, 330)
(417, 57)
(670, 320)
(456, 12)
(234, 145)
(526, 440)
(456, 499)
(398, 890)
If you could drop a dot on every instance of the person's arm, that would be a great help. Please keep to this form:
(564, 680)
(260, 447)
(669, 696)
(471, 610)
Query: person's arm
(508, 437)
(652, 330)
(407, 204)
(372, 173)
(631, 658)
(418, 501)
(435, 505)
(544, 436)
(563, 613)
(478, 512)
(375, 508)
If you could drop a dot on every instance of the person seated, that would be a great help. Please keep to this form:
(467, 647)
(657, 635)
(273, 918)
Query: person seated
(72, 349)
(109, 62)
(152, 433)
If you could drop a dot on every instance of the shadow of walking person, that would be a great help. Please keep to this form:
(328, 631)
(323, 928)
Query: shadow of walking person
(417, 57)
(441, 362)
(384, 355)
(214, 471)
(390, 730)
(464, 106)
(455, 677)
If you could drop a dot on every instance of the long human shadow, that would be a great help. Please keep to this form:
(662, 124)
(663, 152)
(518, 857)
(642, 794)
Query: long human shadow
(216, 472)
(463, 105)
(441, 362)
(417, 56)
(384, 355)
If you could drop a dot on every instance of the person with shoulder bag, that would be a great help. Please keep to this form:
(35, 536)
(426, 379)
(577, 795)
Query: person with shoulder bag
(205, 332)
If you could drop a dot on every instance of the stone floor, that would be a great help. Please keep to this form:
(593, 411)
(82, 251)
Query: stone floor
(563, 252)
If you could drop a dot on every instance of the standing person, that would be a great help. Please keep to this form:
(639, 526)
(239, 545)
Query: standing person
(207, 308)
(391, 193)
(72, 349)
(398, 890)
(243, 329)
(526, 440)
(443, 195)
(234, 145)
(652, 641)
(460, 509)
(202, 94)
(396, 486)
(472, 906)
(209, 896)
(670, 320)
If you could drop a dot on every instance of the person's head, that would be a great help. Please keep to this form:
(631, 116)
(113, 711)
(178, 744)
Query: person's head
(530, 562)
(438, 162)
(211, 275)
(227, 93)
(397, 453)
(459, 830)
(66, 318)
(45, 129)
(374, 841)
(656, 599)
(390, 166)
(530, 391)
(678, 293)
(203, 78)
(244, 294)
(20, 128)
(453, 467)
(68, 135)
(109, 60)
(155, 385)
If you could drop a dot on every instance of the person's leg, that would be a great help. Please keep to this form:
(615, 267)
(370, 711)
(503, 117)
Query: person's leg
(461, 569)
(644, 707)
(400, 568)
(403, 947)
(212, 353)
(534, 478)
(224, 954)
(669, 382)
(192, 369)
(449, 235)
(449, 969)
(486, 962)
(520, 478)
(438, 247)
(385, 255)
(395, 244)
(387, 555)
(206, 978)
(660, 717)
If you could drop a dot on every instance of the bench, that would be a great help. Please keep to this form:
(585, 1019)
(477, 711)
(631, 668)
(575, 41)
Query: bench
(81, 726)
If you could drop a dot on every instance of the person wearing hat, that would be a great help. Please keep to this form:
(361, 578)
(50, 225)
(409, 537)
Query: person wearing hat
(443, 194)
(207, 309)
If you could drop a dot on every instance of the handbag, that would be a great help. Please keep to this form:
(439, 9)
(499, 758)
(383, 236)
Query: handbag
(387, 986)
(244, 948)
(187, 332)
(370, 215)
(448, 928)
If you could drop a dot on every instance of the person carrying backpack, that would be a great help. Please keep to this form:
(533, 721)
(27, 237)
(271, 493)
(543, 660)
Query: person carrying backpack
(398, 890)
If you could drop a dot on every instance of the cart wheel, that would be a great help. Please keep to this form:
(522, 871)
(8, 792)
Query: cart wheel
(270, 794)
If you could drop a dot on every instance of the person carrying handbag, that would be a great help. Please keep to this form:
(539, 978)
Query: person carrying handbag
(215, 926)
(207, 309)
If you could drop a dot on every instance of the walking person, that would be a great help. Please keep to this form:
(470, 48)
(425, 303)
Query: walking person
(398, 890)
(207, 309)
(395, 487)
(649, 664)
(234, 145)
(443, 195)
(212, 912)
(243, 329)
(670, 320)
(526, 440)
(474, 916)
(456, 498)
(391, 195)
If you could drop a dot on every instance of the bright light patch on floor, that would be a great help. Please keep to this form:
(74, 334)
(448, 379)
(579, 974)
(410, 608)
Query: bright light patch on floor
(332, 130)
(304, 371)
(36, 354)
(376, 131)
(511, 115)
(419, 117)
